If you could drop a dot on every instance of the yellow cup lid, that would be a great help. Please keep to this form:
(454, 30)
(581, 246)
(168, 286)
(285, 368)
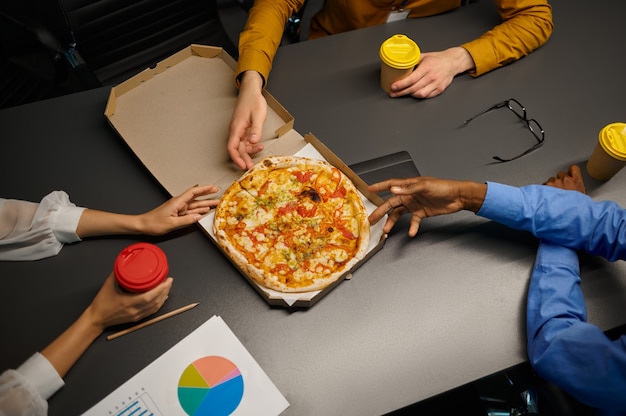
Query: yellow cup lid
(399, 51)
(612, 138)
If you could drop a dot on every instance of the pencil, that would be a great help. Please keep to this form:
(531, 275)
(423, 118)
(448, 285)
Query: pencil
(151, 321)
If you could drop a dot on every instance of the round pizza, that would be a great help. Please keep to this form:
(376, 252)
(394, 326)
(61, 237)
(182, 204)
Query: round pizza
(293, 224)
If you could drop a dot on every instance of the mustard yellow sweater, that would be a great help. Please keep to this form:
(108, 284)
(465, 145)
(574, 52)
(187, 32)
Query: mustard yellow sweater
(526, 25)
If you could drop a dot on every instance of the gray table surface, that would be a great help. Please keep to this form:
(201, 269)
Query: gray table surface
(424, 315)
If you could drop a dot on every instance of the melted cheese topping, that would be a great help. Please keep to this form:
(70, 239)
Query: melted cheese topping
(296, 225)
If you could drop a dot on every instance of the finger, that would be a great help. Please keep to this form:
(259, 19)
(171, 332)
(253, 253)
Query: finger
(390, 206)
(256, 129)
(414, 226)
(247, 160)
(393, 218)
(434, 92)
(184, 201)
(196, 191)
(234, 141)
(185, 220)
(377, 215)
(252, 149)
(380, 186)
(394, 202)
(245, 155)
(389, 224)
(161, 291)
(202, 209)
(237, 159)
(380, 212)
(403, 185)
(202, 205)
(575, 172)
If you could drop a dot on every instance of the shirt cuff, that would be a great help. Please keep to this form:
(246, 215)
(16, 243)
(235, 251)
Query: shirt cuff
(482, 55)
(501, 203)
(64, 223)
(41, 375)
(251, 60)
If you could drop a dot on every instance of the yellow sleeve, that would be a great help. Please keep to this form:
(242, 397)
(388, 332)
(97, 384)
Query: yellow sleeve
(261, 36)
(526, 25)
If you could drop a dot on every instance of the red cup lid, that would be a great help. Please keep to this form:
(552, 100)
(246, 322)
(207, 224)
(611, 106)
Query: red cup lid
(140, 267)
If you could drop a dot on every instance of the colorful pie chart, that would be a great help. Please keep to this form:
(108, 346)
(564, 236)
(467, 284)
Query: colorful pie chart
(210, 385)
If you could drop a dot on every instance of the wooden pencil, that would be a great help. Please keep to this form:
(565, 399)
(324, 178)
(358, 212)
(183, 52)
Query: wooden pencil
(151, 321)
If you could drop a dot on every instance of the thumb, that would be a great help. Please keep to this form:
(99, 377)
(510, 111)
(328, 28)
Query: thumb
(256, 127)
(254, 134)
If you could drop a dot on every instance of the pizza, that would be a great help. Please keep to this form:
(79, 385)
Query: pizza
(292, 224)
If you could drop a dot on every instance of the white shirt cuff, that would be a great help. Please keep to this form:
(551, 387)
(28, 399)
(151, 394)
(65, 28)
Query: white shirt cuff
(64, 223)
(41, 375)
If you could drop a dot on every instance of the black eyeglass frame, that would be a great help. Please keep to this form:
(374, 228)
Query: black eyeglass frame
(540, 135)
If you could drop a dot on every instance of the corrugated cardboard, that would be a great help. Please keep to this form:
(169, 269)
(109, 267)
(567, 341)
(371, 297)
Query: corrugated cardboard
(175, 118)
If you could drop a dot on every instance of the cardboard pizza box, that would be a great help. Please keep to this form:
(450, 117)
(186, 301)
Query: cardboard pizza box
(175, 117)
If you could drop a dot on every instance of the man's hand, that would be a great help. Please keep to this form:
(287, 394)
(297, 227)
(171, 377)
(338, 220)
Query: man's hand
(425, 197)
(571, 180)
(434, 73)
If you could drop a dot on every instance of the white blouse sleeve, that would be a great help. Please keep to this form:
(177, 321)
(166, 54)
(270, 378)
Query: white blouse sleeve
(25, 391)
(30, 231)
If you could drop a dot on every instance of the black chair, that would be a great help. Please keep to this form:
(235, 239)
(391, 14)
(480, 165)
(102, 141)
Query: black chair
(71, 45)
(117, 39)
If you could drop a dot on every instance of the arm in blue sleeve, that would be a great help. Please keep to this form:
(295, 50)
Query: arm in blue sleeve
(566, 218)
(562, 347)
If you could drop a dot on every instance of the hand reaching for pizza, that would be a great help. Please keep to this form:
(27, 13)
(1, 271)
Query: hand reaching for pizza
(179, 211)
(425, 197)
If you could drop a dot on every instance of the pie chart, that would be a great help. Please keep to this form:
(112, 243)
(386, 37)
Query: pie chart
(211, 385)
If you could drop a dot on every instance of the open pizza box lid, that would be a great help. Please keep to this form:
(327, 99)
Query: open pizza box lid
(175, 117)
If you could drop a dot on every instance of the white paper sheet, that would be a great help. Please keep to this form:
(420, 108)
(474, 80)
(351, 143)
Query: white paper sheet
(208, 372)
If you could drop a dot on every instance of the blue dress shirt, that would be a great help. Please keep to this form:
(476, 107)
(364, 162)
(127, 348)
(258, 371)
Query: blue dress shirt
(562, 347)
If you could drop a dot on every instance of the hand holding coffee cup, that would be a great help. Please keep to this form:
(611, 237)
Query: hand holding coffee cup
(398, 55)
(140, 267)
(609, 155)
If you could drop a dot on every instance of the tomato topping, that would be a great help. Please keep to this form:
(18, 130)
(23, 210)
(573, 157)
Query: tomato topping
(329, 187)
(263, 188)
(290, 207)
(307, 213)
(303, 176)
(339, 193)
(341, 226)
(347, 234)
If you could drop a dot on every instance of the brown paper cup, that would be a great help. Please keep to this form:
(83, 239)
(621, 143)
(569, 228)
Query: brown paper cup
(601, 166)
(608, 157)
(398, 56)
(389, 75)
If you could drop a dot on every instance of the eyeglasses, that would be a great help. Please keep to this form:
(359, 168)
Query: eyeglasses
(519, 110)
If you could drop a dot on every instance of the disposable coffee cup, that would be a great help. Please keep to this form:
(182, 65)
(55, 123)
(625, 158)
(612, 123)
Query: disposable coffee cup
(398, 56)
(609, 155)
(140, 267)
